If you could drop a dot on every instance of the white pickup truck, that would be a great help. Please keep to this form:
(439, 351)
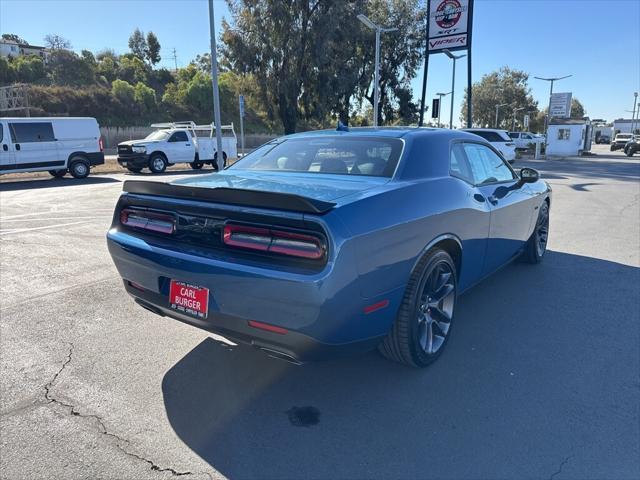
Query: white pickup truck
(180, 142)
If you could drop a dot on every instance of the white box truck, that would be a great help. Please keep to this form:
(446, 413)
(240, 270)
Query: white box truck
(178, 142)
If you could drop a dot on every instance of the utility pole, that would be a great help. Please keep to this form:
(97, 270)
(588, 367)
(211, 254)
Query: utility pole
(516, 110)
(498, 108)
(175, 58)
(634, 115)
(216, 93)
(440, 95)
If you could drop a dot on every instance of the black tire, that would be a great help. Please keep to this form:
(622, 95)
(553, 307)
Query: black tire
(629, 152)
(58, 173)
(157, 163)
(134, 170)
(404, 342)
(536, 246)
(79, 167)
(196, 165)
(214, 164)
(612, 149)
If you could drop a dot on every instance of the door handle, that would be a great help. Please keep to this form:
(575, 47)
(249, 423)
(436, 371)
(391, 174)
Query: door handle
(493, 200)
(187, 144)
(5, 147)
(17, 146)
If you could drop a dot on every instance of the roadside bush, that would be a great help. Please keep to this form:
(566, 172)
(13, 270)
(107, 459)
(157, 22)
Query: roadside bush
(123, 91)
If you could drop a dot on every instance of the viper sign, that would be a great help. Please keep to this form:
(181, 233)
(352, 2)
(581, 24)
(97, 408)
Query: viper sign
(449, 25)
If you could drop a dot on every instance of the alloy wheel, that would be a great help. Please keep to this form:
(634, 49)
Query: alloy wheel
(542, 230)
(435, 309)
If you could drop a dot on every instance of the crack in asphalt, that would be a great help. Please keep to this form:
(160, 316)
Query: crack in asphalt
(102, 427)
(557, 472)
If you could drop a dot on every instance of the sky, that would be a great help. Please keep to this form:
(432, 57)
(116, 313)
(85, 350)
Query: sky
(595, 41)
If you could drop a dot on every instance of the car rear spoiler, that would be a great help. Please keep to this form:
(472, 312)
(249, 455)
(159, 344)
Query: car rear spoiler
(235, 196)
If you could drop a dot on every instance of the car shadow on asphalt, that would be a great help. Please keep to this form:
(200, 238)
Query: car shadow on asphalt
(539, 367)
(28, 184)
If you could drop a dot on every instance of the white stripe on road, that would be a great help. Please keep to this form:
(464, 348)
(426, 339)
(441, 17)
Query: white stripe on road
(2, 220)
(21, 230)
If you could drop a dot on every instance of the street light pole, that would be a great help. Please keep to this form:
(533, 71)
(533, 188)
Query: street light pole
(440, 95)
(498, 108)
(548, 117)
(634, 115)
(453, 81)
(376, 76)
(216, 93)
(516, 110)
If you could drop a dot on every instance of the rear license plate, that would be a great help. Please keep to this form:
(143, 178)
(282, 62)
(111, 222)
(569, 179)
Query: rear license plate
(189, 299)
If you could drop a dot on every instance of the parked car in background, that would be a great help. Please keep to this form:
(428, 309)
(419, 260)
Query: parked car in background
(620, 140)
(500, 139)
(525, 140)
(323, 243)
(56, 145)
(179, 142)
(603, 139)
(632, 146)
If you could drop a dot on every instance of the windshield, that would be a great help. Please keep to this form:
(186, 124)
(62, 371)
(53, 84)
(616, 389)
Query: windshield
(158, 135)
(371, 156)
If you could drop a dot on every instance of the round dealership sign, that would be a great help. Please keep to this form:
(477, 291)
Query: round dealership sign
(448, 13)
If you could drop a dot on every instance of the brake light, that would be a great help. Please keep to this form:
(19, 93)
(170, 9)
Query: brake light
(101, 144)
(274, 241)
(145, 220)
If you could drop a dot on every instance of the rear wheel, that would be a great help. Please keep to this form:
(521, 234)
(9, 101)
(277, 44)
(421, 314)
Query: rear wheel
(58, 173)
(423, 325)
(196, 165)
(215, 160)
(79, 167)
(157, 163)
(537, 244)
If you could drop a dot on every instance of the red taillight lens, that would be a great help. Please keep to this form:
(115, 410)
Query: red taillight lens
(153, 221)
(101, 144)
(274, 241)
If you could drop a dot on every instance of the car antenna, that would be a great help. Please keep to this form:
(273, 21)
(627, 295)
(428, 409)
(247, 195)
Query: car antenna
(342, 127)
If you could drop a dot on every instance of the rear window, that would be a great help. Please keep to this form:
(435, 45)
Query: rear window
(514, 134)
(488, 135)
(32, 132)
(371, 156)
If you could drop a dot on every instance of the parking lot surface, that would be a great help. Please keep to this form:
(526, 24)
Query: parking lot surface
(539, 380)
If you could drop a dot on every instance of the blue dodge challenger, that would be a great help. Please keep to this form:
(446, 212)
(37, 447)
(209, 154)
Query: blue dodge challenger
(328, 242)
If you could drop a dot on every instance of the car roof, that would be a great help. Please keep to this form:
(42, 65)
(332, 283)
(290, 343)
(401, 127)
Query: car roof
(390, 132)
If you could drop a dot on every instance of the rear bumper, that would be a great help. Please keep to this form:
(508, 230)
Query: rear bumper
(136, 160)
(323, 313)
(95, 158)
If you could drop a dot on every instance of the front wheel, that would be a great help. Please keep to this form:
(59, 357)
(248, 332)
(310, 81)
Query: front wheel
(423, 324)
(79, 167)
(629, 152)
(58, 173)
(157, 163)
(215, 160)
(196, 165)
(536, 247)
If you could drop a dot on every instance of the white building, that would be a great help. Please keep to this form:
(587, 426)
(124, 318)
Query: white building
(9, 48)
(623, 125)
(568, 137)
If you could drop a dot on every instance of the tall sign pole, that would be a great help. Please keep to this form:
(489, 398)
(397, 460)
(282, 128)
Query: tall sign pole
(449, 27)
(426, 68)
(216, 92)
(241, 107)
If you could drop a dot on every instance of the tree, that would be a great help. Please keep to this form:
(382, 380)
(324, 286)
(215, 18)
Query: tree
(500, 87)
(577, 109)
(67, 68)
(137, 44)
(132, 69)
(7, 73)
(56, 42)
(12, 37)
(29, 69)
(152, 49)
(145, 97)
(123, 91)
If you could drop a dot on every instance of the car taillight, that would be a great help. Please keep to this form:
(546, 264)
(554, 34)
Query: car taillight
(101, 144)
(145, 220)
(274, 241)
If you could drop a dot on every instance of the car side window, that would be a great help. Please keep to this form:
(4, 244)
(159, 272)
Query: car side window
(179, 137)
(1, 133)
(459, 167)
(486, 166)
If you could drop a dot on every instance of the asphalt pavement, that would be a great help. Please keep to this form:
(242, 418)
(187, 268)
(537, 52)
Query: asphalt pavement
(539, 380)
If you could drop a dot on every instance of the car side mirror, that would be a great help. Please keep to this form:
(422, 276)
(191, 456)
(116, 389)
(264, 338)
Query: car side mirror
(529, 175)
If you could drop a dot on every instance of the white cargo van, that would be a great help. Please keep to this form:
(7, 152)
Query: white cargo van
(56, 145)
(178, 142)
